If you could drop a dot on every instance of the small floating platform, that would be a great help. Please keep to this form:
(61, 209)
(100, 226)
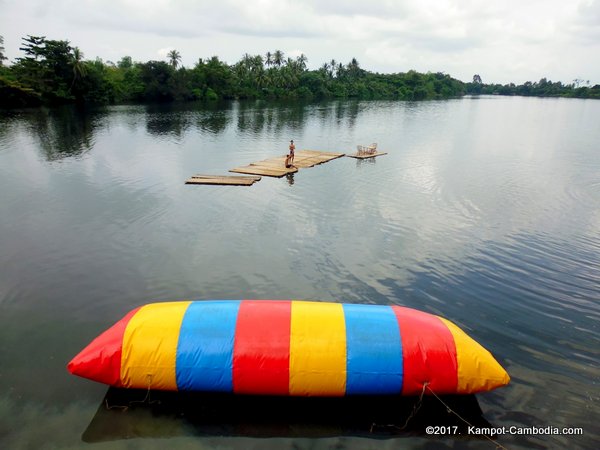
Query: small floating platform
(366, 155)
(275, 167)
(223, 180)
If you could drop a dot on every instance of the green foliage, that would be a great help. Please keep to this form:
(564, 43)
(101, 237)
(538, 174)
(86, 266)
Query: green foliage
(54, 72)
(542, 88)
(174, 58)
(210, 95)
(156, 78)
(47, 68)
(14, 95)
(93, 86)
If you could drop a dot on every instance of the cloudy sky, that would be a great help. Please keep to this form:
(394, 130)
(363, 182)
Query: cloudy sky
(503, 41)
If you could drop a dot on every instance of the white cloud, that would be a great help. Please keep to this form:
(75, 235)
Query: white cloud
(503, 41)
(163, 52)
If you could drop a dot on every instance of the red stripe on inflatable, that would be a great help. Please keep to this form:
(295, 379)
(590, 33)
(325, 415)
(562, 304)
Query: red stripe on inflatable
(429, 352)
(101, 359)
(261, 353)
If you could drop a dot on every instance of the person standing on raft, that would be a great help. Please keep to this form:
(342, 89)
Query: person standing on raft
(289, 159)
(292, 148)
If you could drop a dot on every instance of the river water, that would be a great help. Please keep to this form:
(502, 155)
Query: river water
(485, 211)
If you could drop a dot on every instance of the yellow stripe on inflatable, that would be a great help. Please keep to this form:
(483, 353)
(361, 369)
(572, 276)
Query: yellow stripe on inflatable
(317, 349)
(150, 346)
(477, 369)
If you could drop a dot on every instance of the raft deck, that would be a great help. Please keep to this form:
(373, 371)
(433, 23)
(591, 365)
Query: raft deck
(223, 180)
(275, 167)
(366, 155)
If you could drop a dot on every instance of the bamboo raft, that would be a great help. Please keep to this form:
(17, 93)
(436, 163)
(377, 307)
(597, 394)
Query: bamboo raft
(275, 167)
(366, 155)
(223, 180)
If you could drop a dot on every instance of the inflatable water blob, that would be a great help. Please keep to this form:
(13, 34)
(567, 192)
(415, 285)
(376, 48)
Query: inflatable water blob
(298, 348)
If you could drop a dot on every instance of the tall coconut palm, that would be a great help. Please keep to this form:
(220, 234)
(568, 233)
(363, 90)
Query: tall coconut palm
(174, 58)
(2, 57)
(261, 79)
(268, 59)
(246, 61)
(278, 58)
(79, 69)
(257, 63)
(301, 60)
(328, 69)
(353, 67)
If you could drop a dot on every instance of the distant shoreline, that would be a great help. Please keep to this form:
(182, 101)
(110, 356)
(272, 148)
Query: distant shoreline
(54, 72)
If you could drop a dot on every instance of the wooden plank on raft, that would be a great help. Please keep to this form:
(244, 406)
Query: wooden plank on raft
(366, 155)
(277, 162)
(319, 155)
(235, 177)
(264, 170)
(223, 180)
(275, 167)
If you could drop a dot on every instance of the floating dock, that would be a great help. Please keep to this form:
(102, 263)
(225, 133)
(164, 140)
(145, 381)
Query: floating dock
(223, 180)
(366, 155)
(275, 167)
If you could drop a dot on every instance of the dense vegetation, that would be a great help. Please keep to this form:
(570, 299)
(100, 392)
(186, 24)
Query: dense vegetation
(54, 72)
(542, 88)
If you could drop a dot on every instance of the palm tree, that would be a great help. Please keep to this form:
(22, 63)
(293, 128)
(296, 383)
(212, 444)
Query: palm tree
(257, 63)
(268, 59)
(174, 58)
(261, 79)
(353, 67)
(301, 60)
(2, 57)
(258, 60)
(278, 58)
(79, 69)
(246, 61)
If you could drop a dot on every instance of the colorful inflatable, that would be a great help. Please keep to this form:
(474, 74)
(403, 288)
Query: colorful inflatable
(288, 348)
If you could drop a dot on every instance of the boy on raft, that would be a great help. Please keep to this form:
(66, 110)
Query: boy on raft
(289, 159)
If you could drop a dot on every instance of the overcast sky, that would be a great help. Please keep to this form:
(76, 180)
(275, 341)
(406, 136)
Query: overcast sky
(503, 41)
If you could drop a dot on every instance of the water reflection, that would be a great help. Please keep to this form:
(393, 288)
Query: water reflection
(347, 110)
(126, 414)
(290, 178)
(167, 120)
(214, 122)
(258, 117)
(69, 131)
(481, 212)
(66, 131)
(365, 162)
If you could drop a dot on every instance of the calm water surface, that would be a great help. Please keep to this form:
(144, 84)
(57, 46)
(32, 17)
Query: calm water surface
(485, 211)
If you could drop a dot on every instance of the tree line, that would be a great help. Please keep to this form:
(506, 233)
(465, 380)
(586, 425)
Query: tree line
(543, 88)
(55, 72)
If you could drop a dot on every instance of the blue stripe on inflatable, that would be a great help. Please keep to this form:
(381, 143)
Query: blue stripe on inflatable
(205, 348)
(374, 350)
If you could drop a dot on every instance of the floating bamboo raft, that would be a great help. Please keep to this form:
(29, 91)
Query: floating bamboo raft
(223, 180)
(366, 155)
(275, 167)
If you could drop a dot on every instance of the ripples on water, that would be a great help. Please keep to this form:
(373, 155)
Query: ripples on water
(485, 211)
